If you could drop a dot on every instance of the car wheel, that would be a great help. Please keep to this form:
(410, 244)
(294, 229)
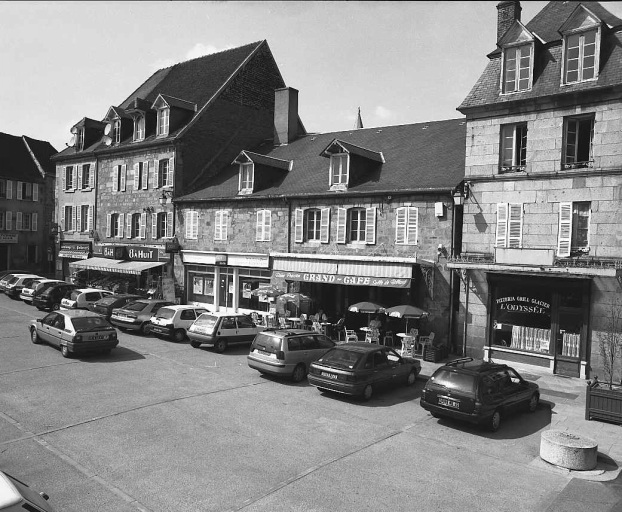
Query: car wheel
(40, 308)
(195, 344)
(55, 307)
(412, 377)
(299, 373)
(34, 337)
(179, 335)
(145, 329)
(368, 392)
(495, 421)
(221, 345)
(533, 402)
(65, 351)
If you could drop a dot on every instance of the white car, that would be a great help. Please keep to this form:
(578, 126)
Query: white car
(37, 285)
(174, 321)
(80, 298)
(14, 287)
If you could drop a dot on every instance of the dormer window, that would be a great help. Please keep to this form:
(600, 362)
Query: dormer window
(247, 178)
(139, 128)
(163, 121)
(581, 57)
(517, 68)
(80, 139)
(339, 167)
(116, 131)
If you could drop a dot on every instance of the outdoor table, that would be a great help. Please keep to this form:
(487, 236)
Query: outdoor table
(295, 321)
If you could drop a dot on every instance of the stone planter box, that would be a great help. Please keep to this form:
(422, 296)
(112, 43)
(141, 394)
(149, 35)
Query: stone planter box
(602, 403)
(435, 354)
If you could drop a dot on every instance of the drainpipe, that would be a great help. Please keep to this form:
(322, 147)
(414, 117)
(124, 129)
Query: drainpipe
(466, 313)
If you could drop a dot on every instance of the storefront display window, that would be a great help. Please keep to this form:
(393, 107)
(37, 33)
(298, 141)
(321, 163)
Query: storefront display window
(202, 287)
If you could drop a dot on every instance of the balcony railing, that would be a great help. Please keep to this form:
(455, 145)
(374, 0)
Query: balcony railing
(588, 164)
(505, 169)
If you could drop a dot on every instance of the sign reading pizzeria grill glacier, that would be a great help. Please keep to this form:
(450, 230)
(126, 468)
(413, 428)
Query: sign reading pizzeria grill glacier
(350, 280)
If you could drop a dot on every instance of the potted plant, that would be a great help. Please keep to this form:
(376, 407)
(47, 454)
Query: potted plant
(603, 400)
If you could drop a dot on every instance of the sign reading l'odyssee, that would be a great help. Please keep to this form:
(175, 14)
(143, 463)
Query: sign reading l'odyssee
(311, 277)
(518, 304)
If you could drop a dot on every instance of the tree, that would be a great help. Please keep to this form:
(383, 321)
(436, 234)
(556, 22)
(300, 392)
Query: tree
(610, 341)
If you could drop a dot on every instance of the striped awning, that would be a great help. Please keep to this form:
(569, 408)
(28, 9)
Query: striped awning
(115, 266)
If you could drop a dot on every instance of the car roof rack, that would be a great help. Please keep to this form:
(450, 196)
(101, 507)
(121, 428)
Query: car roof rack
(459, 361)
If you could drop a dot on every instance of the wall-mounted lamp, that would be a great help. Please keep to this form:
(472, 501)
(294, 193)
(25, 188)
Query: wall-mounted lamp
(94, 235)
(462, 193)
(166, 197)
(442, 251)
(148, 209)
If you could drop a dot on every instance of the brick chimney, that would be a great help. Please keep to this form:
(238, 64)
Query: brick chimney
(507, 13)
(285, 115)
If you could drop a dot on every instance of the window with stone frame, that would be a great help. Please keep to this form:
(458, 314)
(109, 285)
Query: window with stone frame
(86, 212)
(135, 225)
(313, 222)
(68, 176)
(513, 146)
(578, 142)
(69, 218)
(574, 228)
(357, 224)
(86, 181)
(263, 231)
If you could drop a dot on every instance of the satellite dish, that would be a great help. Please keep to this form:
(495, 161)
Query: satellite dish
(107, 140)
(107, 129)
(74, 130)
(72, 141)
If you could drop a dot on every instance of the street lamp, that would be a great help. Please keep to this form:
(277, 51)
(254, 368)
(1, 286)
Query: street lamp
(166, 197)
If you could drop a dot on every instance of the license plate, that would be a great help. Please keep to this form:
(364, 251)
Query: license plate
(329, 375)
(264, 352)
(448, 402)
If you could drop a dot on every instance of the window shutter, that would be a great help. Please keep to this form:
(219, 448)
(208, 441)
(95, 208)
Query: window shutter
(188, 226)
(195, 231)
(128, 226)
(154, 226)
(123, 172)
(35, 191)
(412, 226)
(121, 224)
(78, 218)
(91, 176)
(171, 172)
(324, 225)
(169, 225)
(89, 222)
(20, 188)
(515, 225)
(108, 225)
(267, 231)
(136, 176)
(157, 179)
(218, 225)
(298, 225)
(502, 225)
(9, 221)
(370, 225)
(400, 226)
(65, 178)
(152, 170)
(342, 217)
(564, 236)
(73, 218)
(74, 178)
(33, 223)
(9, 189)
(115, 178)
(18, 221)
(80, 170)
(142, 230)
(259, 226)
(63, 226)
(225, 224)
(145, 176)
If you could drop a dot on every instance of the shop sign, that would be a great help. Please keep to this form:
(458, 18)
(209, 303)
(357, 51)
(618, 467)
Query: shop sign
(344, 279)
(75, 246)
(116, 252)
(517, 304)
(6, 238)
(138, 253)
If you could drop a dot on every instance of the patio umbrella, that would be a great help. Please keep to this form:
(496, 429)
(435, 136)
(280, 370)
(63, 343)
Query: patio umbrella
(367, 307)
(406, 311)
(295, 298)
(268, 290)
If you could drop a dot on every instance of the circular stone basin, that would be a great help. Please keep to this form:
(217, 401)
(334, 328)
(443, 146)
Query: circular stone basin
(568, 450)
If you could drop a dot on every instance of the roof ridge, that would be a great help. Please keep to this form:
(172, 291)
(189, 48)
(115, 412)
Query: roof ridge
(184, 62)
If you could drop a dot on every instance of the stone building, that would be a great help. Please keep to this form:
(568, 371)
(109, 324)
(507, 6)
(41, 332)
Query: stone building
(343, 217)
(182, 125)
(541, 258)
(26, 204)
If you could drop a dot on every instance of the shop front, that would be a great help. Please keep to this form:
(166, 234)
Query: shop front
(71, 252)
(225, 281)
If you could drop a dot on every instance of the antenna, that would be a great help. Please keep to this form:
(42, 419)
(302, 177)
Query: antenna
(107, 129)
(72, 141)
(74, 130)
(107, 140)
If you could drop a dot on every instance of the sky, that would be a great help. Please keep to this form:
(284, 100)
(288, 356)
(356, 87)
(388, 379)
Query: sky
(400, 62)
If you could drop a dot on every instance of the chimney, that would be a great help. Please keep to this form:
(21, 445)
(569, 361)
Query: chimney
(507, 13)
(285, 115)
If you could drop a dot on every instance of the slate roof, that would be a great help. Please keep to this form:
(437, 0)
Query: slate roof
(548, 60)
(18, 163)
(418, 157)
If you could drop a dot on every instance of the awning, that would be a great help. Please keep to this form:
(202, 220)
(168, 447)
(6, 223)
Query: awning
(79, 255)
(116, 266)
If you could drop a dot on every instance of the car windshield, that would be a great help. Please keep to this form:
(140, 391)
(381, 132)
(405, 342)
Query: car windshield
(341, 358)
(454, 380)
(208, 321)
(165, 313)
(29, 282)
(88, 323)
(136, 306)
(14, 280)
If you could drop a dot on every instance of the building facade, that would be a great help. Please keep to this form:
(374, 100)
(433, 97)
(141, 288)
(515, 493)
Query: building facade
(541, 258)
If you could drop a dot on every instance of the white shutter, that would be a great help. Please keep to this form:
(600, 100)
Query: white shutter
(91, 176)
(142, 230)
(154, 226)
(145, 176)
(502, 225)
(225, 224)
(157, 179)
(121, 224)
(79, 171)
(89, 222)
(400, 225)
(169, 225)
(217, 224)
(18, 221)
(342, 218)
(9, 221)
(259, 226)
(64, 178)
(192, 225)
(35, 191)
(370, 225)
(298, 225)
(136, 176)
(9, 189)
(78, 218)
(33, 222)
(564, 237)
(108, 225)
(267, 228)
(63, 226)
(73, 218)
(74, 180)
(515, 225)
(19, 190)
(171, 172)
(123, 171)
(152, 170)
(115, 178)
(195, 224)
(324, 225)
(128, 226)
(412, 225)
(188, 226)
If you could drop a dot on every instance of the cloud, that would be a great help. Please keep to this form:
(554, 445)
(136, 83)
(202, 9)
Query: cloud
(383, 113)
(198, 50)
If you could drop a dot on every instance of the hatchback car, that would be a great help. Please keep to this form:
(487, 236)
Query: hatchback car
(81, 298)
(287, 352)
(478, 392)
(136, 316)
(105, 305)
(362, 368)
(219, 330)
(7, 277)
(75, 332)
(37, 286)
(174, 321)
(51, 297)
(16, 496)
(14, 286)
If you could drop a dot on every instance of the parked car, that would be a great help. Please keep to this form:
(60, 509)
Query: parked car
(5, 273)
(50, 298)
(75, 332)
(288, 352)
(136, 316)
(80, 298)
(174, 321)
(7, 277)
(105, 305)
(16, 496)
(14, 286)
(219, 330)
(478, 392)
(361, 368)
(37, 286)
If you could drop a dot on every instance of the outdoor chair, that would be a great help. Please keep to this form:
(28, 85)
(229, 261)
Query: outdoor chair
(408, 344)
(426, 341)
(388, 337)
(372, 336)
(317, 327)
(351, 336)
(283, 323)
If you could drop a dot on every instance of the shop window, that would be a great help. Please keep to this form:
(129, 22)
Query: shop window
(581, 56)
(221, 221)
(68, 182)
(578, 142)
(513, 147)
(574, 227)
(517, 68)
(339, 170)
(263, 228)
(202, 288)
(192, 224)
(119, 178)
(509, 231)
(406, 225)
